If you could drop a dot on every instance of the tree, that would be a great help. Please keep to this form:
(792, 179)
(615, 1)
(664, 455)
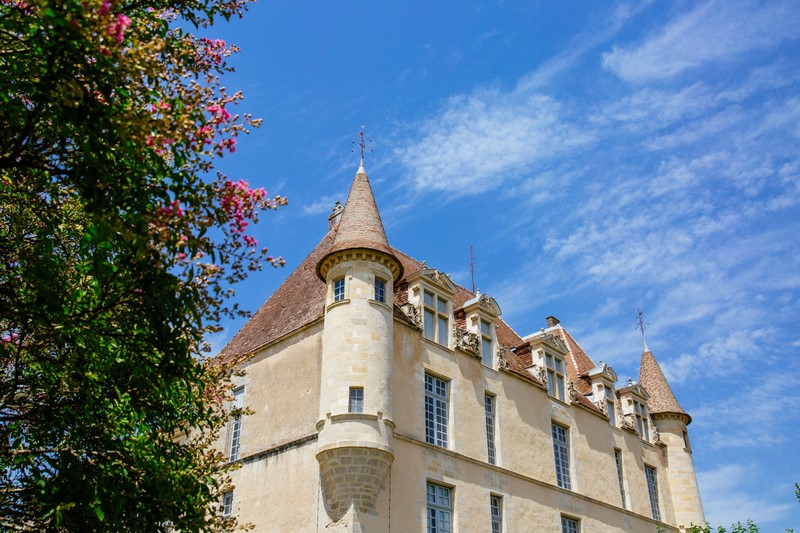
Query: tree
(118, 247)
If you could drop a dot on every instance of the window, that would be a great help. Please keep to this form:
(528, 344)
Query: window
(435, 318)
(642, 422)
(488, 402)
(436, 404)
(338, 289)
(610, 397)
(652, 490)
(356, 404)
(686, 444)
(618, 458)
(227, 504)
(496, 504)
(487, 354)
(561, 452)
(555, 376)
(569, 525)
(440, 509)
(380, 290)
(236, 424)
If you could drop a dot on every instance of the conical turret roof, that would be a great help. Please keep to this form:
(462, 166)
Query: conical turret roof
(360, 226)
(662, 400)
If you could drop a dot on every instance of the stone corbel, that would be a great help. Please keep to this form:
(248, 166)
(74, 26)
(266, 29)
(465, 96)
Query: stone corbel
(413, 313)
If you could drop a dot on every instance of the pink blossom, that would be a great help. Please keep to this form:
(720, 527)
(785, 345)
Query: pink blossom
(118, 26)
(105, 8)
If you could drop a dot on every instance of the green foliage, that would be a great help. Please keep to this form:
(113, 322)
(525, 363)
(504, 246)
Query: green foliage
(110, 120)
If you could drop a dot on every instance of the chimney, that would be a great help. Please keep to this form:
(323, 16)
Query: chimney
(552, 321)
(336, 214)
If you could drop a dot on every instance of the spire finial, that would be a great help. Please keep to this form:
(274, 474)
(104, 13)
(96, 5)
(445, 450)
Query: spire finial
(641, 326)
(472, 266)
(363, 144)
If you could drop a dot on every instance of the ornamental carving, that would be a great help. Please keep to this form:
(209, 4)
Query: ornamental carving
(603, 406)
(502, 362)
(539, 373)
(466, 340)
(413, 314)
(573, 392)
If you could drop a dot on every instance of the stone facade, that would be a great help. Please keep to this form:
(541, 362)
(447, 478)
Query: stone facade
(313, 461)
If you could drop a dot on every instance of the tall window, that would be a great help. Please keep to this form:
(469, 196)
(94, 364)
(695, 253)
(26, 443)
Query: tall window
(338, 289)
(436, 411)
(555, 376)
(236, 424)
(652, 490)
(435, 318)
(488, 402)
(356, 404)
(496, 504)
(380, 290)
(561, 452)
(569, 525)
(610, 406)
(440, 509)
(618, 459)
(642, 422)
(487, 354)
(227, 504)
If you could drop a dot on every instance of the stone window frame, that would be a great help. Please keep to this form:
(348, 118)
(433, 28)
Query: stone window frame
(235, 425)
(556, 375)
(439, 507)
(338, 289)
(490, 412)
(227, 504)
(561, 455)
(570, 524)
(440, 318)
(642, 417)
(620, 476)
(487, 341)
(651, 475)
(437, 406)
(611, 404)
(379, 289)
(355, 400)
(496, 512)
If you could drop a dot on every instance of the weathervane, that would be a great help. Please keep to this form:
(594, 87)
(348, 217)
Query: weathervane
(362, 143)
(641, 326)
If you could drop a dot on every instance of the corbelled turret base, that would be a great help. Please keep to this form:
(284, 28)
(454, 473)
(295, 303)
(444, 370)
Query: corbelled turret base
(352, 477)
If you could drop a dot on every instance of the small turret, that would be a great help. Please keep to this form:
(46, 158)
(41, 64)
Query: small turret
(355, 427)
(671, 420)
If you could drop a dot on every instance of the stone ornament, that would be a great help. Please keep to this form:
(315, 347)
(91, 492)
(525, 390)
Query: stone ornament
(573, 392)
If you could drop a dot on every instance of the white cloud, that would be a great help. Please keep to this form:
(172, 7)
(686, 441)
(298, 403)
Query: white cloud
(729, 496)
(479, 142)
(716, 30)
(323, 205)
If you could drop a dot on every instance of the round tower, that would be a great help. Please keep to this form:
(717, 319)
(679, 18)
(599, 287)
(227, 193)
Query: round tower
(671, 421)
(355, 426)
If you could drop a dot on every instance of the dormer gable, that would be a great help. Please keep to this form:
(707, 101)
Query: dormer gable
(548, 362)
(633, 406)
(603, 379)
(479, 315)
(430, 297)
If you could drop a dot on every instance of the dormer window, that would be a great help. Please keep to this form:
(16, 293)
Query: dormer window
(338, 289)
(435, 318)
(642, 422)
(555, 376)
(610, 405)
(380, 290)
(487, 345)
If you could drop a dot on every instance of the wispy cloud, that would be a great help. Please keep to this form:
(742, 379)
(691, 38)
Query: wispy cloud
(713, 31)
(480, 141)
(728, 497)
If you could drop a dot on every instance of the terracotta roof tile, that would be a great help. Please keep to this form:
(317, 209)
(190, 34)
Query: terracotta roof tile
(360, 224)
(662, 400)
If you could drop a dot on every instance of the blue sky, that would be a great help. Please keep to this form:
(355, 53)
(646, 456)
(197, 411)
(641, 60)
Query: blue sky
(600, 157)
